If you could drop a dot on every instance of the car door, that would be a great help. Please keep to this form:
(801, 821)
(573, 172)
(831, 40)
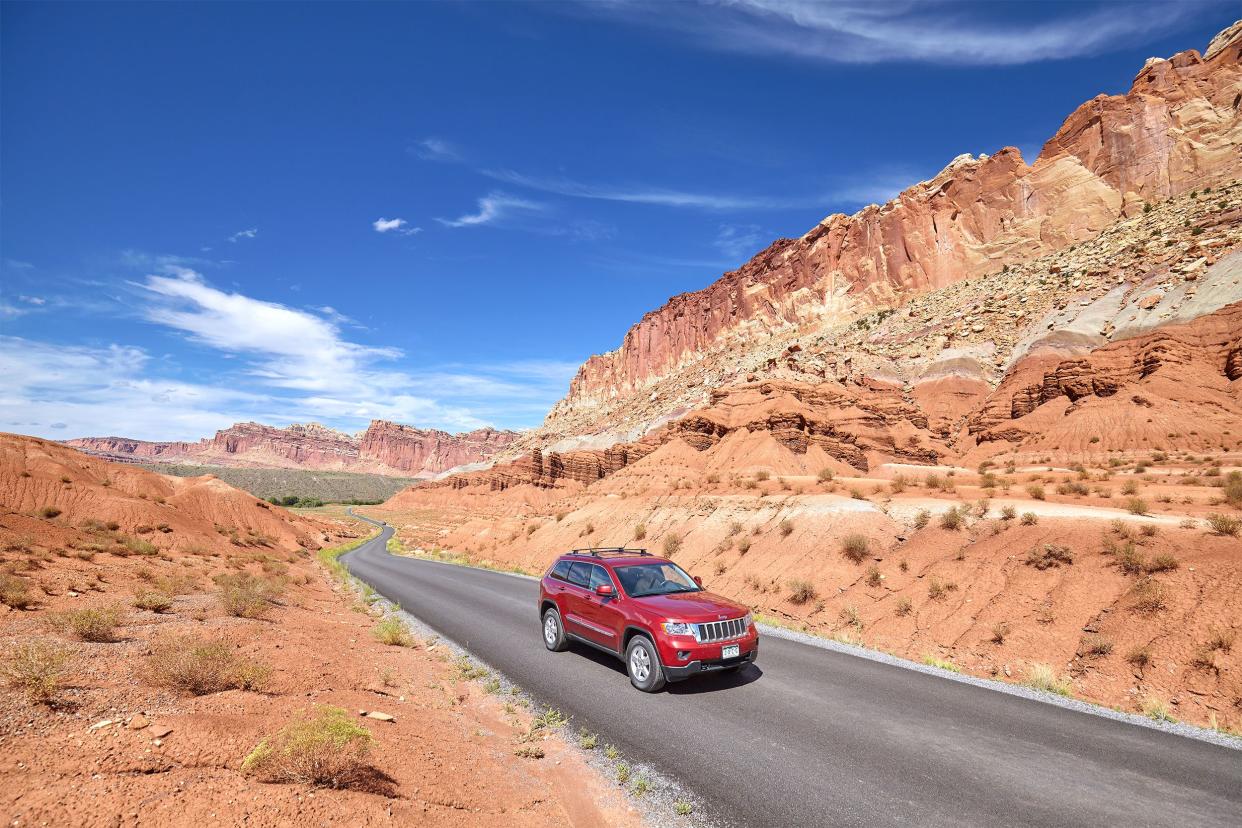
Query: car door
(573, 600)
(601, 611)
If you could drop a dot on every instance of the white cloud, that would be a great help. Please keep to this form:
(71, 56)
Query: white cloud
(493, 207)
(867, 31)
(33, 300)
(383, 225)
(17, 264)
(436, 149)
(740, 241)
(72, 391)
(244, 234)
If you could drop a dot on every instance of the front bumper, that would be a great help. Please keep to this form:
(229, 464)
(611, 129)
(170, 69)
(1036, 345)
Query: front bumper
(700, 667)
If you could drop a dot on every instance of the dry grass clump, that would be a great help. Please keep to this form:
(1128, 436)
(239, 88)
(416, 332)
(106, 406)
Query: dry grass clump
(801, 591)
(244, 595)
(1096, 645)
(1029, 519)
(1000, 631)
(1164, 562)
(672, 543)
(1157, 709)
(14, 591)
(392, 632)
(48, 512)
(1137, 506)
(1041, 677)
(1048, 556)
(921, 518)
(825, 475)
(35, 669)
(904, 606)
(854, 546)
(94, 624)
(938, 589)
(640, 531)
(953, 519)
(153, 600)
(1008, 513)
(1035, 491)
(1139, 657)
(1149, 596)
(326, 748)
(786, 528)
(199, 666)
(874, 578)
(1225, 524)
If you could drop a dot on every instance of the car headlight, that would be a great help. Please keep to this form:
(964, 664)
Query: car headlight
(748, 621)
(678, 628)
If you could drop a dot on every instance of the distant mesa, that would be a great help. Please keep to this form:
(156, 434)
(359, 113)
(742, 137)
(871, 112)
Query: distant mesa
(384, 448)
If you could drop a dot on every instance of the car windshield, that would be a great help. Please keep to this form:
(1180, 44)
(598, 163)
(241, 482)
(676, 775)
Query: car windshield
(654, 579)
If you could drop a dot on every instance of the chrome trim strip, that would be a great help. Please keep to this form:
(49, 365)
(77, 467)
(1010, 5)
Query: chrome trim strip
(578, 619)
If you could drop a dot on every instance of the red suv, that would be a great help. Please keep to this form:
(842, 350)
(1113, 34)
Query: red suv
(646, 611)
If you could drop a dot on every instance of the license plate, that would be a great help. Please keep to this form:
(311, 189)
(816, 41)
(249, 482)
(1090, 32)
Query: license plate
(731, 651)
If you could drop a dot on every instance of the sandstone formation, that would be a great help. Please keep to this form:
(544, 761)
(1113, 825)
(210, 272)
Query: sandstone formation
(1179, 128)
(384, 448)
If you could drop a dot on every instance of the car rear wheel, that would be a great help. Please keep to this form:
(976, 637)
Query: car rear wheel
(553, 631)
(643, 664)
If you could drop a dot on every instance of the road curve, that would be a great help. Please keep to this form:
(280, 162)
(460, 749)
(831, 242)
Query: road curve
(810, 736)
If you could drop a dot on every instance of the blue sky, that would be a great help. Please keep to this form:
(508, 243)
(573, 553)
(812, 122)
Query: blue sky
(433, 212)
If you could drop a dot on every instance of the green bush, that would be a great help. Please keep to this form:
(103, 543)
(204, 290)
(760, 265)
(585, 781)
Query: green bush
(326, 748)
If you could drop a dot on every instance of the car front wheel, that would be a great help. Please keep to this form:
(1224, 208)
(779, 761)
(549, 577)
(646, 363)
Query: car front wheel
(643, 664)
(553, 632)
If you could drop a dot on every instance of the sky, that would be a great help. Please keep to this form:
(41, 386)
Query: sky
(434, 212)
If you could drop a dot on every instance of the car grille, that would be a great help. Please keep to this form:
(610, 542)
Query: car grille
(720, 630)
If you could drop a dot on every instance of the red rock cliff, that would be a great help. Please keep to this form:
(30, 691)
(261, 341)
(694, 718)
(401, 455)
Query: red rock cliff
(1178, 127)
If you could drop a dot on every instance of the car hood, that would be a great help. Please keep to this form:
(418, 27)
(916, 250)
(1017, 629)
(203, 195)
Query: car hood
(692, 606)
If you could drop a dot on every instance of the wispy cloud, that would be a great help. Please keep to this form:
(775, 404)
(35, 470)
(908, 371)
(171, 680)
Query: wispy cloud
(244, 234)
(400, 225)
(876, 188)
(436, 149)
(18, 264)
(493, 207)
(740, 241)
(933, 31)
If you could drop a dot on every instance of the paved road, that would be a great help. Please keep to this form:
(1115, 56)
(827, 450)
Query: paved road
(810, 736)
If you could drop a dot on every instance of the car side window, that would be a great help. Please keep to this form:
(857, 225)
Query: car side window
(580, 574)
(599, 576)
(561, 571)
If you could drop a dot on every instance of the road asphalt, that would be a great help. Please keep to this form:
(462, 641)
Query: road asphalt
(810, 736)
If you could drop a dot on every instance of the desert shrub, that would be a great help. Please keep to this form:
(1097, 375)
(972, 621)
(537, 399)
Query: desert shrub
(719, 568)
(952, 519)
(1149, 530)
(138, 546)
(1130, 487)
(199, 666)
(801, 592)
(938, 589)
(1096, 645)
(854, 547)
(825, 475)
(640, 531)
(1224, 524)
(1221, 640)
(1164, 562)
(95, 624)
(1232, 490)
(1157, 709)
(1041, 677)
(1008, 513)
(1130, 560)
(904, 606)
(35, 669)
(326, 748)
(1048, 556)
(1036, 491)
(786, 527)
(244, 595)
(672, 543)
(1000, 631)
(1137, 506)
(1139, 657)
(392, 632)
(48, 512)
(874, 578)
(921, 518)
(743, 545)
(153, 600)
(1073, 488)
(1149, 596)
(1029, 519)
(14, 591)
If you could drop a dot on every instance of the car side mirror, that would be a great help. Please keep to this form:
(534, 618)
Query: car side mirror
(698, 580)
(604, 590)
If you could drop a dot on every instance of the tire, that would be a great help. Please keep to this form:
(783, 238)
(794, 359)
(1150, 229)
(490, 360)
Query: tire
(642, 662)
(554, 631)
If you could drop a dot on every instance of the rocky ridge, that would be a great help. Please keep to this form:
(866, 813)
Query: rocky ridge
(1178, 129)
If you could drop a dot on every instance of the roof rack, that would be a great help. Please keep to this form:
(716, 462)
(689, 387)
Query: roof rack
(602, 551)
